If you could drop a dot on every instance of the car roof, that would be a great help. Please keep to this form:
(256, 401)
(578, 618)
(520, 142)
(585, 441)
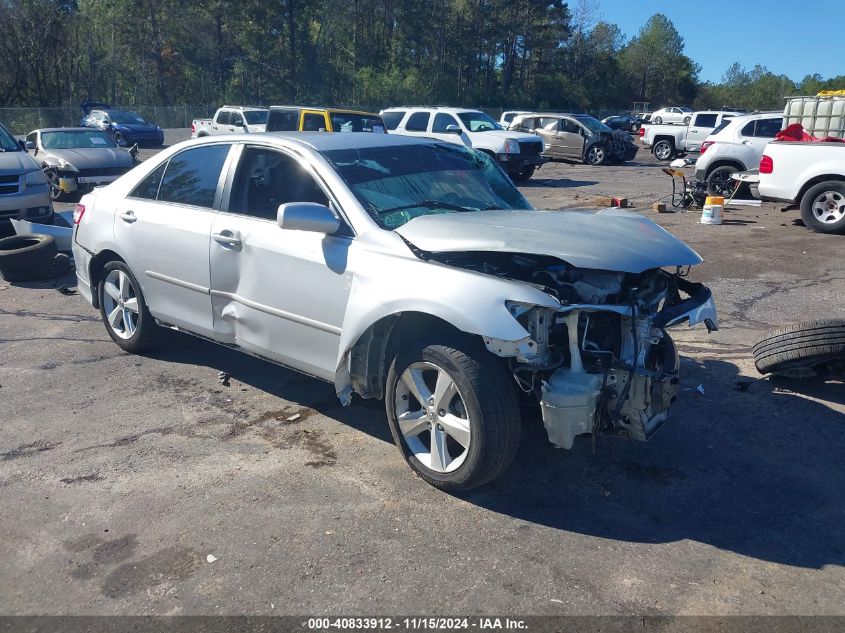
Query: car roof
(321, 109)
(752, 116)
(323, 141)
(446, 109)
(67, 129)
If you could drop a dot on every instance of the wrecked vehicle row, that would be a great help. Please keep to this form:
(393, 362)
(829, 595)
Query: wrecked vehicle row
(402, 269)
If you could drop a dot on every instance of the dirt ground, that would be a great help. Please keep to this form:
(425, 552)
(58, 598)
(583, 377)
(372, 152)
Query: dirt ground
(120, 475)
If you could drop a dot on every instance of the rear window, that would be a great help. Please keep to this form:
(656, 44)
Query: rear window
(768, 128)
(352, 122)
(720, 127)
(224, 117)
(283, 121)
(392, 119)
(705, 120)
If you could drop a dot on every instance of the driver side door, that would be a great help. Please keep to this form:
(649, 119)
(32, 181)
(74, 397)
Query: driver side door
(570, 140)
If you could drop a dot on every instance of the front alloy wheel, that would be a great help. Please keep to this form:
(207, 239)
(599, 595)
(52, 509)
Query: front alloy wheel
(596, 155)
(55, 188)
(123, 309)
(453, 413)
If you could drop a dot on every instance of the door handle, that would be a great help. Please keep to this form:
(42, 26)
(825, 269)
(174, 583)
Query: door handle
(226, 238)
(128, 217)
(746, 142)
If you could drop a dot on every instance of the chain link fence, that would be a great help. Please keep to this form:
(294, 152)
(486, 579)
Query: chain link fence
(23, 120)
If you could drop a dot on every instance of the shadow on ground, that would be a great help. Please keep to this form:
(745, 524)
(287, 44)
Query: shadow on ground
(757, 472)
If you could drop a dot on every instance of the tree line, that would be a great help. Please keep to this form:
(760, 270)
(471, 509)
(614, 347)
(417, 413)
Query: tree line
(538, 54)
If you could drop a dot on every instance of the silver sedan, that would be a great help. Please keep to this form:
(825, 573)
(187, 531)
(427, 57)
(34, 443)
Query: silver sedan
(75, 160)
(402, 269)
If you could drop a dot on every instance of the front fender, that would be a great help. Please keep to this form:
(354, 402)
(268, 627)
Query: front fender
(385, 285)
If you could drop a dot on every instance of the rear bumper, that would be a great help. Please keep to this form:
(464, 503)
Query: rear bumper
(145, 140)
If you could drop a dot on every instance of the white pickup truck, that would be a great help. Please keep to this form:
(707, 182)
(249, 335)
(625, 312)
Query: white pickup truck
(810, 174)
(668, 141)
(231, 120)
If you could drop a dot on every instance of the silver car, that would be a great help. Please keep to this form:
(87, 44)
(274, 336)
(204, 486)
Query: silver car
(75, 160)
(403, 269)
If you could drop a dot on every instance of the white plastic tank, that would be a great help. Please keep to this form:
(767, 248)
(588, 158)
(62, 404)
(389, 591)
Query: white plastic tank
(820, 116)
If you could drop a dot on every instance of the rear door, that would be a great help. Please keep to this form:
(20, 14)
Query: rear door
(416, 124)
(162, 229)
(275, 292)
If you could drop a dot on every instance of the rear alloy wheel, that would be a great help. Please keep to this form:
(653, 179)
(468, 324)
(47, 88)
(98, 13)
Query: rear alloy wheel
(823, 207)
(720, 183)
(596, 155)
(123, 309)
(453, 413)
(664, 150)
(658, 120)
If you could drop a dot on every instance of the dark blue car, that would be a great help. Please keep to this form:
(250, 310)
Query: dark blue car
(125, 126)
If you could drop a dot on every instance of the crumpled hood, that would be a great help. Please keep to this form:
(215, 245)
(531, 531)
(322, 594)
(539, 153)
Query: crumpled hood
(12, 163)
(90, 158)
(609, 239)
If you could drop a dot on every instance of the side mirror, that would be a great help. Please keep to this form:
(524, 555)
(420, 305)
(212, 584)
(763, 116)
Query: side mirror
(307, 216)
(453, 129)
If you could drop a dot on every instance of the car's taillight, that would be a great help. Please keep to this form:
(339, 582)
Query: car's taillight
(642, 131)
(767, 165)
(704, 146)
(78, 212)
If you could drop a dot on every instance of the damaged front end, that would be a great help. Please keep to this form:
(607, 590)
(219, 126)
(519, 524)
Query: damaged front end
(602, 362)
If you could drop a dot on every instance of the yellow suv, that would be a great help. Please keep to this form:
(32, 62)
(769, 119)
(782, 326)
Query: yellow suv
(296, 119)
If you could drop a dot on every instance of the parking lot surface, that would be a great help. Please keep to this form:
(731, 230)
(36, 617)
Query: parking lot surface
(142, 485)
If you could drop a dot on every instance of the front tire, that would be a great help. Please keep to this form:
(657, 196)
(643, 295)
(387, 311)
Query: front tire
(123, 309)
(524, 174)
(823, 207)
(453, 413)
(658, 120)
(596, 155)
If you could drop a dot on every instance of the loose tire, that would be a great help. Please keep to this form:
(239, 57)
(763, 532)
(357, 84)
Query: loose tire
(823, 207)
(453, 412)
(596, 154)
(664, 150)
(808, 345)
(30, 258)
(719, 182)
(123, 309)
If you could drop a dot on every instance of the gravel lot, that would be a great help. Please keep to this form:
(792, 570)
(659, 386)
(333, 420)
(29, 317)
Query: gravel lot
(120, 474)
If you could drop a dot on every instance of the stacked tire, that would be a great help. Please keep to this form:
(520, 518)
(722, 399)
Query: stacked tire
(31, 258)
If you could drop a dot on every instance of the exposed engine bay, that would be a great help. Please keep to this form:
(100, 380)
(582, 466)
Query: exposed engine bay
(602, 362)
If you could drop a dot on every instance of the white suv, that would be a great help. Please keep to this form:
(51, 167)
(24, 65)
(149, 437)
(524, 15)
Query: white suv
(518, 153)
(736, 145)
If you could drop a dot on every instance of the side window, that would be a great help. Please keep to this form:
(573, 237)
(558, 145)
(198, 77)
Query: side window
(442, 121)
(550, 124)
(768, 128)
(283, 121)
(224, 117)
(313, 123)
(393, 119)
(748, 130)
(418, 122)
(237, 119)
(570, 126)
(267, 178)
(32, 138)
(148, 187)
(191, 176)
(705, 120)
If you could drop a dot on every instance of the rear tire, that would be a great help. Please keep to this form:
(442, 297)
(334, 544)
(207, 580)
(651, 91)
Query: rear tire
(809, 345)
(123, 309)
(664, 150)
(719, 182)
(470, 414)
(823, 207)
(658, 120)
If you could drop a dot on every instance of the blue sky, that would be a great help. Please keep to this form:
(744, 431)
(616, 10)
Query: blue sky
(795, 39)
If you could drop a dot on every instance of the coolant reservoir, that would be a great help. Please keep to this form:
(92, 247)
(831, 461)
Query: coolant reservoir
(568, 404)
